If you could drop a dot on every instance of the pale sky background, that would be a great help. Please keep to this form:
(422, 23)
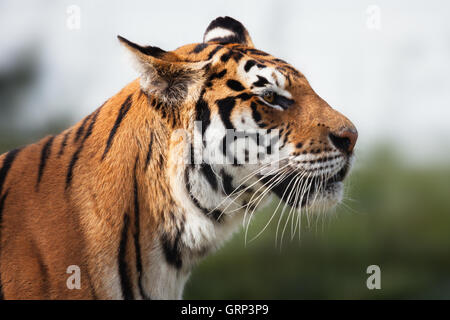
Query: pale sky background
(391, 79)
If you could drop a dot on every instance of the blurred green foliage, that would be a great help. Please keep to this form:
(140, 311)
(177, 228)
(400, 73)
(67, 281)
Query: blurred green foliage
(399, 219)
(17, 80)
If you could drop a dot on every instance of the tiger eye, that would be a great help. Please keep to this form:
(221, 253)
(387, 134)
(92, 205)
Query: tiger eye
(269, 96)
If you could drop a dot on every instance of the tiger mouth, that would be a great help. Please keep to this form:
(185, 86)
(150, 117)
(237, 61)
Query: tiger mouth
(314, 185)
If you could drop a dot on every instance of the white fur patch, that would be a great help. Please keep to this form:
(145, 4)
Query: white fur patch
(277, 81)
(162, 280)
(217, 33)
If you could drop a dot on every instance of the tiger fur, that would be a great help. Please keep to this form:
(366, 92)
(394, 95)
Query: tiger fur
(115, 194)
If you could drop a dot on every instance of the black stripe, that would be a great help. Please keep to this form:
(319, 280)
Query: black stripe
(269, 149)
(216, 214)
(124, 272)
(7, 162)
(235, 85)
(249, 64)
(237, 56)
(6, 166)
(137, 244)
(199, 48)
(63, 144)
(280, 60)
(225, 148)
(191, 155)
(214, 51)
(217, 75)
(76, 154)
(226, 56)
(226, 106)
(91, 126)
(80, 130)
(244, 96)
(225, 40)
(255, 113)
(45, 153)
(158, 105)
(256, 51)
(207, 67)
(261, 82)
(122, 112)
(71, 166)
(202, 113)
(260, 65)
(209, 174)
(161, 161)
(172, 250)
(149, 152)
(282, 101)
(293, 70)
(2, 203)
(227, 181)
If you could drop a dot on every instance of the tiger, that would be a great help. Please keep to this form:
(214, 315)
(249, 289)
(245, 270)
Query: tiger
(130, 201)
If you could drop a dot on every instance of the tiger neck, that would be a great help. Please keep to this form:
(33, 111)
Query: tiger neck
(159, 207)
(189, 223)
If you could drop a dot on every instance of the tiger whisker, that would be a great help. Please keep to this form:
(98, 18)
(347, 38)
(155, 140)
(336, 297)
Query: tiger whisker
(261, 197)
(294, 190)
(273, 214)
(249, 176)
(243, 191)
(301, 174)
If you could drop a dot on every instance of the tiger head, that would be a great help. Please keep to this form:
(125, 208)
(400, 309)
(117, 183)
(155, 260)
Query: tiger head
(245, 103)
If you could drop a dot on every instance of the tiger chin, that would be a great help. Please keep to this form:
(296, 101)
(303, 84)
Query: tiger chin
(130, 201)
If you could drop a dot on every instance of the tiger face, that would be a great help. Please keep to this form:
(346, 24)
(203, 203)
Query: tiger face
(250, 105)
(313, 143)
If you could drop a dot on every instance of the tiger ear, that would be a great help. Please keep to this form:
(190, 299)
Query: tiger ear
(226, 30)
(166, 75)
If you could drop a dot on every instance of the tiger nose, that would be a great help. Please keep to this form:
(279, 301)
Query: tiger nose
(344, 139)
